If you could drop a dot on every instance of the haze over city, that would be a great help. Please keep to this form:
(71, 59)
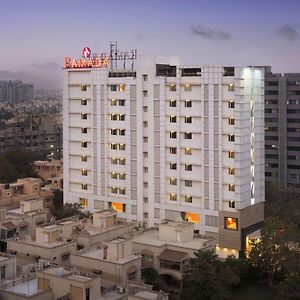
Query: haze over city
(36, 35)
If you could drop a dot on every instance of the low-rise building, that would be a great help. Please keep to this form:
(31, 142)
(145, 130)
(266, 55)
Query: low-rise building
(8, 266)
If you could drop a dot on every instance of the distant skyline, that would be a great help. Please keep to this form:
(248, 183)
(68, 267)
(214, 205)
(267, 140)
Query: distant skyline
(36, 35)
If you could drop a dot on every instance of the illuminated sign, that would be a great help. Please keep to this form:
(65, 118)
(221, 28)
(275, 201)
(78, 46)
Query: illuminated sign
(86, 63)
(86, 52)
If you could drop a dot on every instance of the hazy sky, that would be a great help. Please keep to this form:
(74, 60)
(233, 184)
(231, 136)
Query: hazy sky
(36, 35)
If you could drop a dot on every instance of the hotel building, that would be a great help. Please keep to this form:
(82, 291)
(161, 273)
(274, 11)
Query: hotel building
(163, 141)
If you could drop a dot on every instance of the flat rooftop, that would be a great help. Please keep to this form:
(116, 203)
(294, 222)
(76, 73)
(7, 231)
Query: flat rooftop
(147, 295)
(28, 288)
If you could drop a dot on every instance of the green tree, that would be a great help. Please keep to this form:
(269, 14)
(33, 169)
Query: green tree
(206, 277)
(269, 253)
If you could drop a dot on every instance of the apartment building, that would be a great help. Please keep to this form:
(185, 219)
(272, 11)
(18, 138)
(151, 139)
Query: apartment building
(164, 141)
(14, 91)
(8, 267)
(282, 128)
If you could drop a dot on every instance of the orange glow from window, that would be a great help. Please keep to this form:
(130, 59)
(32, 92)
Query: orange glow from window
(192, 217)
(83, 202)
(231, 223)
(117, 206)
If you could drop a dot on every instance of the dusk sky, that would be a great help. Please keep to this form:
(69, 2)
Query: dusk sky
(36, 35)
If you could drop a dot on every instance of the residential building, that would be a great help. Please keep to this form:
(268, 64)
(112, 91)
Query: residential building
(8, 267)
(14, 91)
(282, 128)
(164, 141)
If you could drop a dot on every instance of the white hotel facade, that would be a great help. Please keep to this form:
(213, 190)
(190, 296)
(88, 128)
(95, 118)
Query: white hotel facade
(163, 141)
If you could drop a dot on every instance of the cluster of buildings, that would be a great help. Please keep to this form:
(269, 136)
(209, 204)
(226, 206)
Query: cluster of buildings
(15, 91)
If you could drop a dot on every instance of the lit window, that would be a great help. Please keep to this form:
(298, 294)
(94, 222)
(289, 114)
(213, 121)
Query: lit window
(188, 199)
(122, 161)
(114, 117)
(121, 131)
(84, 144)
(114, 161)
(84, 172)
(231, 154)
(172, 103)
(121, 117)
(188, 183)
(121, 88)
(230, 104)
(114, 175)
(187, 88)
(83, 158)
(83, 101)
(231, 138)
(187, 103)
(83, 87)
(83, 202)
(173, 197)
(172, 119)
(122, 147)
(173, 134)
(114, 131)
(173, 150)
(231, 171)
(190, 217)
(122, 176)
(231, 87)
(231, 121)
(231, 204)
(113, 146)
(188, 167)
(121, 102)
(188, 119)
(173, 181)
(114, 190)
(84, 116)
(113, 102)
(172, 88)
(231, 188)
(231, 223)
(188, 135)
(188, 151)
(173, 166)
(117, 206)
(122, 191)
(83, 130)
(84, 186)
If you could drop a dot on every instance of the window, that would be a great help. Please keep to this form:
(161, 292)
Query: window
(188, 183)
(84, 186)
(187, 103)
(231, 188)
(113, 102)
(231, 137)
(121, 131)
(145, 139)
(231, 154)
(83, 158)
(83, 87)
(145, 124)
(172, 88)
(188, 135)
(145, 184)
(173, 181)
(172, 103)
(188, 151)
(188, 167)
(231, 223)
(119, 207)
(187, 88)
(173, 197)
(114, 131)
(83, 130)
(231, 204)
(231, 121)
(172, 119)
(114, 117)
(121, 102)
(83, 202)
(84, 144)
(84, 116)
(121, 87)
(188, 119)
(122, 147)
(122, 176)
(114, 190)
(114, 161)
(122, 161)
(231, 171)
(231, 87)
(145, 77)
(122, 191)
(145, 154)
(173, 134)
(145, 93)
(83, 101)
(145, 169)
(188, 199)
(114, 175)
(173, 166)
(230, 104)
(113, 146)
(2, 272)
(121, 117)
(173, 150)
(113, 88)
(84, 172)
(145, 108)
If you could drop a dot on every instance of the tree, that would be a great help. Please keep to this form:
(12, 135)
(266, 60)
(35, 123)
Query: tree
(289, 289)
(269, 253)
(205, 277)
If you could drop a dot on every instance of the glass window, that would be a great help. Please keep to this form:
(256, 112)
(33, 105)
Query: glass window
(188, 183)
(83, 158)
(231, 223)
(187, 103)
(173, 197)
(188, 119)
(172, 103)
(173, 134)
(83, 101)
(84, 116)
(172, 119)
(188, 135)
(83, 130)
(231, 154)
(188, 167)
(187, 88)
(84, 144)
(83, 87)
(173, 150)
(83, 202)
(173, 166)
(188, 199)
(173, 181)
(84, 172)
(188, 151)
